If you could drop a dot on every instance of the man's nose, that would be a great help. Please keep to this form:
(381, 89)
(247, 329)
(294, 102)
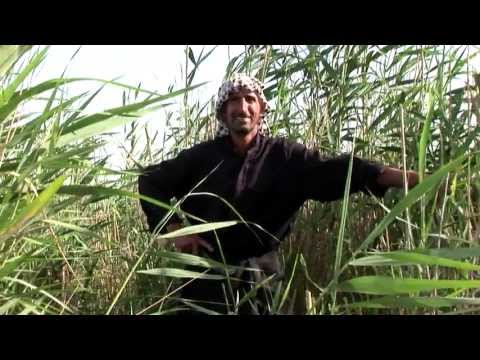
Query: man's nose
(244, 105)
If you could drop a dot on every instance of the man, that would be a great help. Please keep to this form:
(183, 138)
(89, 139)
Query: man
(265, 179)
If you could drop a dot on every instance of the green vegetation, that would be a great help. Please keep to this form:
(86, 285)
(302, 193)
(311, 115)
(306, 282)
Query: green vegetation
(73, 238)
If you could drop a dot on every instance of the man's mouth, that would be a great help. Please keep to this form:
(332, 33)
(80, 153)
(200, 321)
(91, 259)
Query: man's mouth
(242, 119)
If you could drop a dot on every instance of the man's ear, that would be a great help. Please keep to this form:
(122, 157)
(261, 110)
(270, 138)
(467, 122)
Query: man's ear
(263, 105)
(222, 114)
(223, 111)
(263, 109)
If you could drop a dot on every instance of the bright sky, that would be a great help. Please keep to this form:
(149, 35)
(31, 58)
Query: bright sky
(156, 67)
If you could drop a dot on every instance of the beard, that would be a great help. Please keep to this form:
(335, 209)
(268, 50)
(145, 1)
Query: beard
(241, 125)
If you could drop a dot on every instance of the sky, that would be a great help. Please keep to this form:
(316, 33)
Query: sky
(156, 67)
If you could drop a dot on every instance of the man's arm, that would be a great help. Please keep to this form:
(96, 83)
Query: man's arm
(324, 178)
(162, 182)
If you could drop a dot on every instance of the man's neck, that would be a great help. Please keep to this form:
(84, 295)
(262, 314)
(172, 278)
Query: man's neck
(241, 143)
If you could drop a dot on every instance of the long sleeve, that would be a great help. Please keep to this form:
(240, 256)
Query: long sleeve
(162, 182)
(324, 178)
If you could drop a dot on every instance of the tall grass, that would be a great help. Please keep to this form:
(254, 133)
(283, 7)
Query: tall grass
(73, 238)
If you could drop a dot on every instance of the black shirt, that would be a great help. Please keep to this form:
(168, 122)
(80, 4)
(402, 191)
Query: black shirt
(267, 186)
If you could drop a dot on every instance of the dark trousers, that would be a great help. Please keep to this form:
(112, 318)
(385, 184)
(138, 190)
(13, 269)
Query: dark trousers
(238, 296)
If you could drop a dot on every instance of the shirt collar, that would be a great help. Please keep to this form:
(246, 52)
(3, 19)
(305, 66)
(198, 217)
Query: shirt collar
(256, 144)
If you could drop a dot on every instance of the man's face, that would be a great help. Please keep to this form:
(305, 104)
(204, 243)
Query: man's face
(242, 112)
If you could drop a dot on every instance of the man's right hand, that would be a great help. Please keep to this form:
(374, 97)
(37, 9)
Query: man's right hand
(189, 243)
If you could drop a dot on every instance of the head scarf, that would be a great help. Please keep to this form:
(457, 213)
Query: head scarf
(236, 82)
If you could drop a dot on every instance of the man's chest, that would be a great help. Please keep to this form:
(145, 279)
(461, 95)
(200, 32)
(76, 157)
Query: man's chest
(244, 179)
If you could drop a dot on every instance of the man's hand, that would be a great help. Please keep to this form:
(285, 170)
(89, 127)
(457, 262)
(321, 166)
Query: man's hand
(189, 243)
(392, 177)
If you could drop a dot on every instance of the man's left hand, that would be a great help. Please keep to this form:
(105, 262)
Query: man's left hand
(392, 177)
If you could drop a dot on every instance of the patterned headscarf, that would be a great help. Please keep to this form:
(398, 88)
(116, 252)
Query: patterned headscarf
(237, 81)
